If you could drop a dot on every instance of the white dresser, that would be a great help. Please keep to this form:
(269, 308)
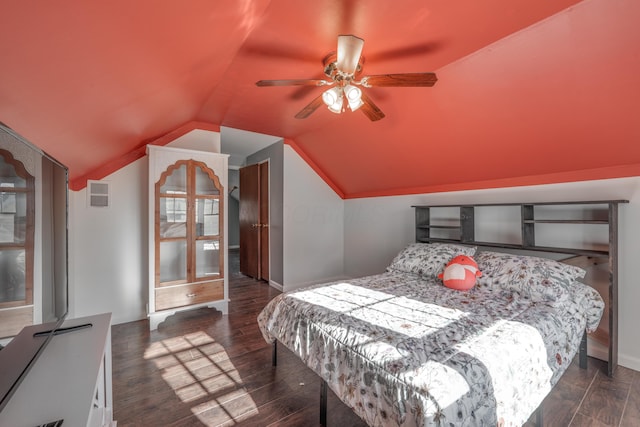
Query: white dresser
(70, 380)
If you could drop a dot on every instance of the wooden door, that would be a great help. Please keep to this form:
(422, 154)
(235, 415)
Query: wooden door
(263, 256)
(254, 221)
(249, 217)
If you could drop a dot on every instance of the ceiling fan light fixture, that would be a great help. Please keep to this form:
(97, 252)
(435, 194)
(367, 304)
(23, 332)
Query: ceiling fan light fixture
(336, 108)
(354, 105)
(331, 96)
(354, 97)
(333, 99)
(353, 93)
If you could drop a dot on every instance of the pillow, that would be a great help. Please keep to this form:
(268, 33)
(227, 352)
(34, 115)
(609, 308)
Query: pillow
(460, 273)
(427, 259)
(538, 279)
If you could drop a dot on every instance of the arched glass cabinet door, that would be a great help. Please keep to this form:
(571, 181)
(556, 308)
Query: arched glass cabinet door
(188, 225)
(17, 218)
(208, 224)
(171, 226)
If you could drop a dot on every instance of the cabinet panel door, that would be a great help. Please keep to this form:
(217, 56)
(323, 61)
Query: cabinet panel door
(207, 259)
(176, 181)
(172, 217)
(204, 185)
(173, 261)
(207, 217)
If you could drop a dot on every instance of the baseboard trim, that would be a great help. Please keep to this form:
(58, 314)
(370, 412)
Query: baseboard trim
(276, 285)
(599, 351)
(319, 281)
(629, 362)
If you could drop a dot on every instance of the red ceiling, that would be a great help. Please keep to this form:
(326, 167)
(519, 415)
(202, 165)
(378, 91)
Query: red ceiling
(528, 92)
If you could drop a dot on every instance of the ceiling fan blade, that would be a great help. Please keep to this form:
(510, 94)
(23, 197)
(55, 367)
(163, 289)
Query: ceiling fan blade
(349, 51)
(400, 80)
(310, 108)
(293, 82)
(370, 109)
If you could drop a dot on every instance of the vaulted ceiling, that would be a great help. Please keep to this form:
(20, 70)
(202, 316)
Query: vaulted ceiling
(528, 91)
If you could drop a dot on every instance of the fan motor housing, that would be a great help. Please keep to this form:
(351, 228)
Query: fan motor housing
(331, 68)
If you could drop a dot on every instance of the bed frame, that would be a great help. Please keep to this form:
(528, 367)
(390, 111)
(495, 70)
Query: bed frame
(462, 230)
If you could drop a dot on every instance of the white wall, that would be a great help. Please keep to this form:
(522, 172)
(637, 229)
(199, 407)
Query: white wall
(108, 248)
(377, 228)
(199, 140)
(313, 226)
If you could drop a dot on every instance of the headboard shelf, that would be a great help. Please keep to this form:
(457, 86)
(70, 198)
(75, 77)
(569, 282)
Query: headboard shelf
(588, 202)
(566, 221)
(548, 249)
(546, 227)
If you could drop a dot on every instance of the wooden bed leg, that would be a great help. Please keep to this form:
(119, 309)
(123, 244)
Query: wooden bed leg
(539, 421)
(323, 403)
(274, 354)
(583, 351)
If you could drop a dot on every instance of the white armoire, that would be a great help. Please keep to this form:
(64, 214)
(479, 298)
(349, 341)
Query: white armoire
(187, 231)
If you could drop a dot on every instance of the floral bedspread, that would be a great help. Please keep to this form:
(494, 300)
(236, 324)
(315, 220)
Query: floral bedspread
(402, 350)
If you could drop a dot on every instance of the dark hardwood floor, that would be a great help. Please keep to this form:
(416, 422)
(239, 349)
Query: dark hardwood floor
(204, 369)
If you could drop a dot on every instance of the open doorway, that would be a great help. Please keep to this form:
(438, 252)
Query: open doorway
(246, 148)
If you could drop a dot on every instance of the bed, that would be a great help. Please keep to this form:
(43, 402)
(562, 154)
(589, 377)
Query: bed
(401, 349)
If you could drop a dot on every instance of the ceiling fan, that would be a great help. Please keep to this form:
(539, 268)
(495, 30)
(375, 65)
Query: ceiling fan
(343, 68)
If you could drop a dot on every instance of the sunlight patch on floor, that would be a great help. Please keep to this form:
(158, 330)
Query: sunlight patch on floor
(200, 372)
(229, 409)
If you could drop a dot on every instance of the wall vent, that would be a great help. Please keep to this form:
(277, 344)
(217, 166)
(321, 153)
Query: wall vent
(98, 194)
